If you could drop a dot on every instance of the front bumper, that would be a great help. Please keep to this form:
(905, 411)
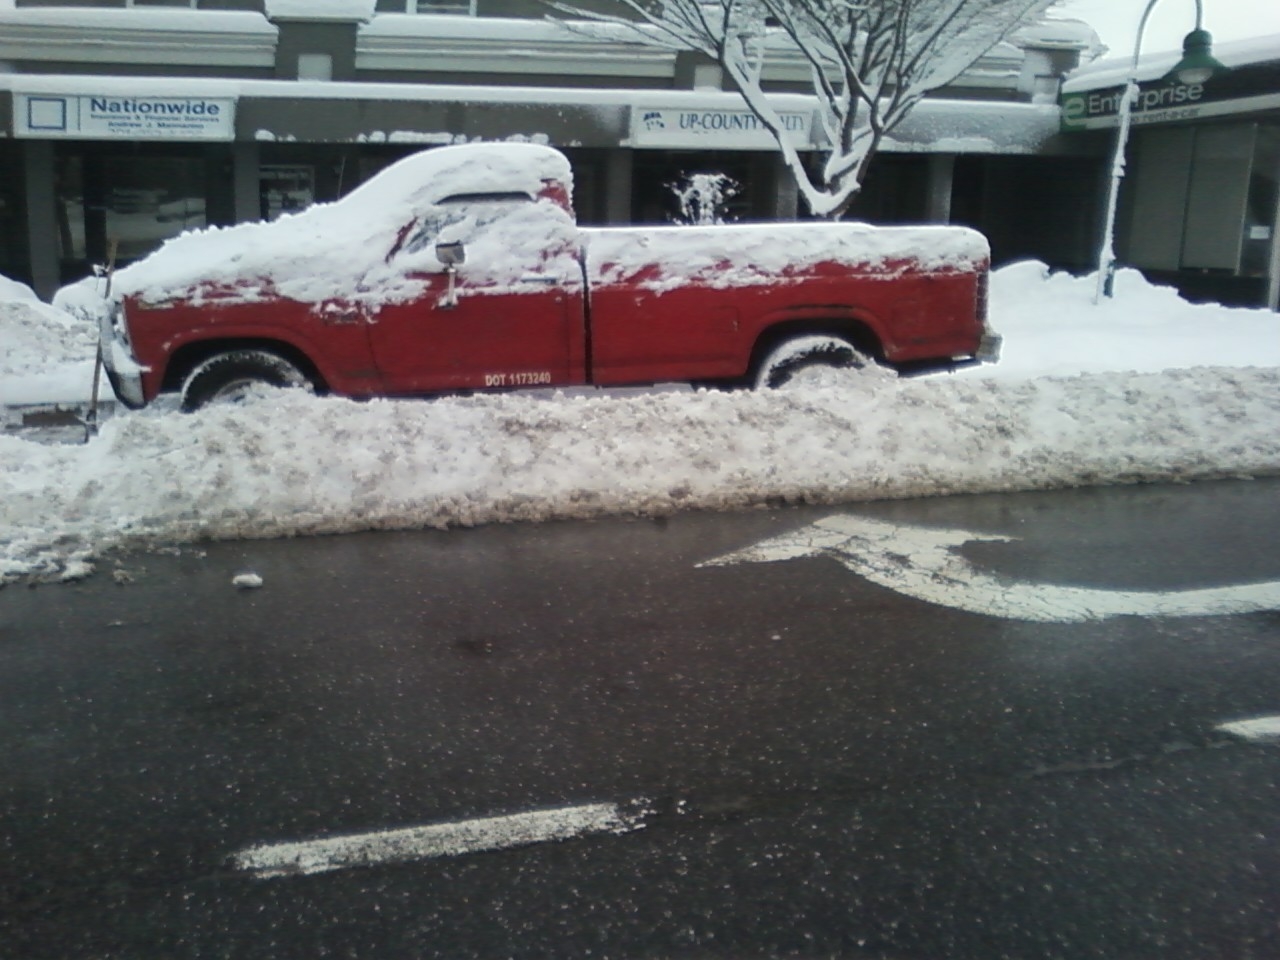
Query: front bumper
(989, 348)
(123, 370)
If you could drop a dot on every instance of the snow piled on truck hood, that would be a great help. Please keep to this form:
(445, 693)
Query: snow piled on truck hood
(340, 250)
(294, 464)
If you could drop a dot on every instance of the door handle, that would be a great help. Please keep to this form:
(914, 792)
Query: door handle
(539, 278)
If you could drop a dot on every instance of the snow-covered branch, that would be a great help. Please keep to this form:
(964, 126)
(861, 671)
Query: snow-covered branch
(870, 62)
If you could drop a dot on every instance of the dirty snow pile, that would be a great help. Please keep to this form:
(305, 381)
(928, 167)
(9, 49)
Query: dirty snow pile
(45, 354)
(1081, 396)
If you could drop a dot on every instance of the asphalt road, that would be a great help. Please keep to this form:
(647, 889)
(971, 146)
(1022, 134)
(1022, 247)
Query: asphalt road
(817, 765)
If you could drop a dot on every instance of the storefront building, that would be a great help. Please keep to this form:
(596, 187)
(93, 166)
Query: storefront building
(1200, 203)
(123, 123)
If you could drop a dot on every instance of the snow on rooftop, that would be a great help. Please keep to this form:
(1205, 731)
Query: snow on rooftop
(1114, 71)
(73, 84)
(1130, 390)
(1065, 33)
(90, 20)
(320, 9)
(964, 126)
(445, 26)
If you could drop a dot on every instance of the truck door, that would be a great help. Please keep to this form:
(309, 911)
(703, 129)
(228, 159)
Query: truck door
(516, 313)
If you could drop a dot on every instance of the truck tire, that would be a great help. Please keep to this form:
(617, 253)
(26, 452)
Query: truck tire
(225, 377)
(789, 357)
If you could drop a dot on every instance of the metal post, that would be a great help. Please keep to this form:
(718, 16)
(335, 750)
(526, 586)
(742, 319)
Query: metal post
(42, 216)
(1106, 252)
(941, 177)
(1273, 271)
(618, 185)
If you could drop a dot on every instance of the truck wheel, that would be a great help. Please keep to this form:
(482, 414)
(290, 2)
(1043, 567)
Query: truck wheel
(791, 356)
(227, 377)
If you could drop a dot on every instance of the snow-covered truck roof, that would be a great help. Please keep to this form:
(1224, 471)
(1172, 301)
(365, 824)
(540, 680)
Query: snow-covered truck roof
(333, 250)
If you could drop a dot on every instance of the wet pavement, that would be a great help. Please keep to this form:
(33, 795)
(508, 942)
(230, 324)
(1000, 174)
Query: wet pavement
(823, 766)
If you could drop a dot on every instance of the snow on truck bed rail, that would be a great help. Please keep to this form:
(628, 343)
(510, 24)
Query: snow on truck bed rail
(741, 254)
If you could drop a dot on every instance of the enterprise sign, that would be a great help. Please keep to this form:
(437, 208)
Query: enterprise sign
(710, 129)
(105, 117)
(1243, 90)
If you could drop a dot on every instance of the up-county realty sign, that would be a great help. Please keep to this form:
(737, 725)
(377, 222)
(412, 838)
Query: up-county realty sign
(107, 117)
(713, 128)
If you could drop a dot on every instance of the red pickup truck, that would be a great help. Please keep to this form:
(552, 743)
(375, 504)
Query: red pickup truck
(462, 268)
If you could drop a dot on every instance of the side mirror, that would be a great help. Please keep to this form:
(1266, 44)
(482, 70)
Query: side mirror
(451, 254)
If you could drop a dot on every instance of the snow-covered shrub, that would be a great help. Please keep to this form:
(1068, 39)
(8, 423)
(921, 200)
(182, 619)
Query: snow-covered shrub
(703, 198)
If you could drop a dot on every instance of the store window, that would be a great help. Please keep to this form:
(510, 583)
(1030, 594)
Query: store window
(293, 176)
(661, 179)
(286, 188)
(315, 66)
(457, 7)
(1262, 210)
(1203, 199)
(148, 200)
(127, 201)
(70, 210)
(1201, 209)
(465, 8)
(14, 261)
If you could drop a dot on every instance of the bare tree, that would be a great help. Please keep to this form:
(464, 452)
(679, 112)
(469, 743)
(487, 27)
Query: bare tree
(870, 62)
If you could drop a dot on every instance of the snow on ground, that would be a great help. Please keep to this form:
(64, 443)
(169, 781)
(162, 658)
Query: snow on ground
(45, 354)
(1052, 327)
(1143, 388)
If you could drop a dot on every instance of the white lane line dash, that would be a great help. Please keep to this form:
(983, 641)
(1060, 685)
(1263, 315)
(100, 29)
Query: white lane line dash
(1258, 729)
(439, 839)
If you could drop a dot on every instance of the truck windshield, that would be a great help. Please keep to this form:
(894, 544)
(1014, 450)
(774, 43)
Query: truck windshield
(470, 212)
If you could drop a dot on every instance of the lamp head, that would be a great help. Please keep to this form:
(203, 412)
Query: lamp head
(1197, 64)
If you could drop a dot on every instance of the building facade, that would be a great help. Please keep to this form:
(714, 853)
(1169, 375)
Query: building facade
(1201, 204)
(123, 123)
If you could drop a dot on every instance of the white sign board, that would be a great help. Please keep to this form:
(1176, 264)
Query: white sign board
(107, 117)
(698, 128)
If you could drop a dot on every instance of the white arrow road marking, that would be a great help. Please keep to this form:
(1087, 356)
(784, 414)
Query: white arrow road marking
(1261, 729)
(437, 840)
(922, 563)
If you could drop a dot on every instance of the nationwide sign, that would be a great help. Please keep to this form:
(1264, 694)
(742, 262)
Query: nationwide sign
(1251, 88)
(106, 117)
(712, 129)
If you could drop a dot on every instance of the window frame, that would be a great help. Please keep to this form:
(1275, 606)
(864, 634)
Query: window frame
(412, 7)
(161, 5)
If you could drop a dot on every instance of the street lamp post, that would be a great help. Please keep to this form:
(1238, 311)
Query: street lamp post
(1196, 66)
